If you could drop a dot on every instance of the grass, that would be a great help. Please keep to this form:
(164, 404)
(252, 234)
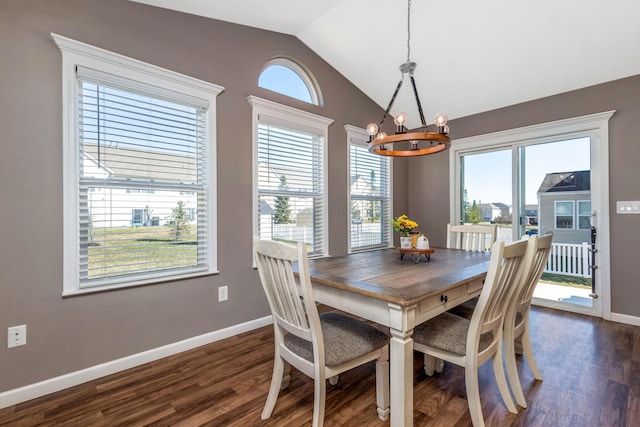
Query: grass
(129, 250)
(563, 280)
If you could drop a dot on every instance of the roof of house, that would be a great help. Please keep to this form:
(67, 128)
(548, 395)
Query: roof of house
(557, 182)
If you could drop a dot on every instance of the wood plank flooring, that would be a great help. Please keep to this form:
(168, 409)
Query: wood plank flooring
(591, 372)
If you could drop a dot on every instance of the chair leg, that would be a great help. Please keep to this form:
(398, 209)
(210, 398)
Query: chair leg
(528, 354)
(432, 365)
(473, 395)
(501, 379)
(429, 364)
(286, 375)
(319, 397)
(512, 369)
(279, 366)
(382, 384)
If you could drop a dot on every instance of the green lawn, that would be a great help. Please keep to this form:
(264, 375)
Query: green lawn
(117, 251)
(562, 280)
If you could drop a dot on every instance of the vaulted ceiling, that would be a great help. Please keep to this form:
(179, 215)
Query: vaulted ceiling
(472, 56)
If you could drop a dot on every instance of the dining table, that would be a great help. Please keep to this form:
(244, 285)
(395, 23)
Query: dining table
(383, 287)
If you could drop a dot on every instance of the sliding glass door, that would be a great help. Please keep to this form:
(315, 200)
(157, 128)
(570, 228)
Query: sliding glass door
(540, 185)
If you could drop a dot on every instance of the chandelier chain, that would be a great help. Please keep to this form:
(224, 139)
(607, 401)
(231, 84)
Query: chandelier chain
(409, 31)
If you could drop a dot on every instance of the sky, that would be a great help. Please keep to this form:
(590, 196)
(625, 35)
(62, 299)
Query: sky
(488, 175)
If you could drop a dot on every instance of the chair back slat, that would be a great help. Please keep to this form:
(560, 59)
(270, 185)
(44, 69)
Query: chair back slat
(286, 298)
(543, 249)
(502, 280)
(472, 237)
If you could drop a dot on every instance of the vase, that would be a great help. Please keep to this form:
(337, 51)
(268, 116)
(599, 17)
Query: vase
(405, 242)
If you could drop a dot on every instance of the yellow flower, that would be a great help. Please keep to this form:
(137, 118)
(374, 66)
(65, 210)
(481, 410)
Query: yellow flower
(403, 224)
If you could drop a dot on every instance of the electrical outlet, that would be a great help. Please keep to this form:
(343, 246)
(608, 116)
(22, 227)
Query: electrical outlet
(16, 336)
(223, 293)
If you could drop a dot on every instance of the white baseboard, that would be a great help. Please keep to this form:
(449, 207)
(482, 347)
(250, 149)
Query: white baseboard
(625, 318)
(32, 391)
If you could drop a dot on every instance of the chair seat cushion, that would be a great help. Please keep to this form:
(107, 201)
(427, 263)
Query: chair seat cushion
(465, 309)
(448, 332)
(345, 338)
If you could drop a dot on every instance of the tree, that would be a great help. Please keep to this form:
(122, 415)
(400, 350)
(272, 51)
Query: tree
(473, 214)
(282, 213)
(179, 221)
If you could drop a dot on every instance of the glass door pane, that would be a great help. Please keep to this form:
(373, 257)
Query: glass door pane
(557, 199)
(486, 187)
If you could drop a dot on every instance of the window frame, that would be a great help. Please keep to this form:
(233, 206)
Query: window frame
(578, 215)
(306, 77)
(359, 136)
(572, 215)
(132, 72)
(277, 114)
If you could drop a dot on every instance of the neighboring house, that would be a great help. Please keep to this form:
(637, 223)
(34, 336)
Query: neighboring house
(361, 185)
(491, 211)
(134, 207)
(531, 214)
(565, 206)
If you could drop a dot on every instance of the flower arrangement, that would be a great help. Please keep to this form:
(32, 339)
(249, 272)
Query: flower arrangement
(403, 224)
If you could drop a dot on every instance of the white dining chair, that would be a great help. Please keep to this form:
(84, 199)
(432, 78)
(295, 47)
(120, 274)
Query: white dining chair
(320, 346)
(517, 339)
(472, 237)
(472, 342)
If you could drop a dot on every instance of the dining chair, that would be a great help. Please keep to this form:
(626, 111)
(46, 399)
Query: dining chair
(468, 237)
(472, 342)
(320, 346)
(517, 339)
(471, 237)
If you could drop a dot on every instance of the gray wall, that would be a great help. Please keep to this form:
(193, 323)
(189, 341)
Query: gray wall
(429, 176)
(69, 334)
(66, 335)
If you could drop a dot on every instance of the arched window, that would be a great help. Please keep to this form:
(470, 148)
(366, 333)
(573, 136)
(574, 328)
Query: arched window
(284, 76)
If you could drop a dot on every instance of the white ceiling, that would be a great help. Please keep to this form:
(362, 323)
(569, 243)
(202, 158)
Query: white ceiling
(472, 56)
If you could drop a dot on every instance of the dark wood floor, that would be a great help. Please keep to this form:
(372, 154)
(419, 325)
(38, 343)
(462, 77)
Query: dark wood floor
(591, 369)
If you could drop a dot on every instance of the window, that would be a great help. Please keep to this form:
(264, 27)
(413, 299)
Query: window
(564, 215)
(139, 159)
(369, 194)
(284, 76)
(584, 214)
(290, 175)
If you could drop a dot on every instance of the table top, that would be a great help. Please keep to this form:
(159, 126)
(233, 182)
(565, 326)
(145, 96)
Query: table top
(382, 275)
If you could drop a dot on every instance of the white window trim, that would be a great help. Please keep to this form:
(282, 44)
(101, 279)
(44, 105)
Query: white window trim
(595, 126)
(295, 119)
(578, 202)
(198, 92)
(360, 136)
(555, 214)
(306, 77)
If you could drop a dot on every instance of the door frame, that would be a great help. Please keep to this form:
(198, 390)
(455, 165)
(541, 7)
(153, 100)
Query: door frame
(594, 126)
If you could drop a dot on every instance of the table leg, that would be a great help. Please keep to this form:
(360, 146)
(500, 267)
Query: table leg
(402, 321)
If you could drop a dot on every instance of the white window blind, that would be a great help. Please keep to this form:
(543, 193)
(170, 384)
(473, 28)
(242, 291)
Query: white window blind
(291, 186)
(143, 186)
(370, 197)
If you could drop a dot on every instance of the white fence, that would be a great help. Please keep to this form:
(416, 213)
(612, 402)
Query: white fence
(291, 232)
(569, 259)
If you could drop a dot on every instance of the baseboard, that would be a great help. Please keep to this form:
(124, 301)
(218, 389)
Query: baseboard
(32, 391)
(625, 318)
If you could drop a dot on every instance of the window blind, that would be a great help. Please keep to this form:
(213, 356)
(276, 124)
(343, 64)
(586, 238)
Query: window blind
(370, 193)
(142, 184)
(291, 185)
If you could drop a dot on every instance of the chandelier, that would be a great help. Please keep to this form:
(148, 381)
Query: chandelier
(420, 140)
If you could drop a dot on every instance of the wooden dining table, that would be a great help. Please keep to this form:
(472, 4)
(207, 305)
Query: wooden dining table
(398, 293)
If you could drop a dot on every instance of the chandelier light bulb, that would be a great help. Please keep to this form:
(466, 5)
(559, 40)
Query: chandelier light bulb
(441, 119)
(381, 135)
(372, 129)
(400, 119)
